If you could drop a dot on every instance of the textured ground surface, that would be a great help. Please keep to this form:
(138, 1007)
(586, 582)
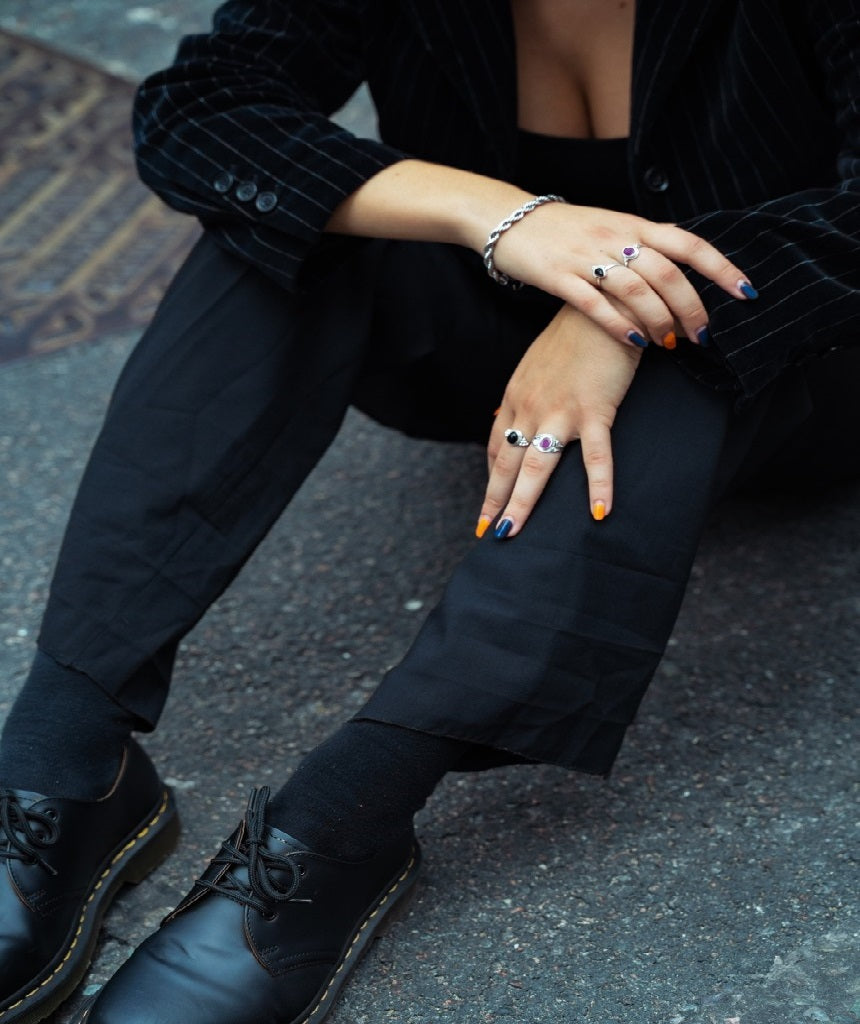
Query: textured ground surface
(85, 249)
(713, 880)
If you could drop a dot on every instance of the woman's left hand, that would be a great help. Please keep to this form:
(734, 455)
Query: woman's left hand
(569, 384)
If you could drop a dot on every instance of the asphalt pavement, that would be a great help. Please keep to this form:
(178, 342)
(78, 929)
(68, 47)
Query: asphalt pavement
(714, 878)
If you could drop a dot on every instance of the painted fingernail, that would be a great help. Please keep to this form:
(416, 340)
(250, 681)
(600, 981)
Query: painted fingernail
(481, 528)
(704, 336)
(503, 529)
(497, 411)
(669, 340)
(598, 510)
(747, 290)
(637, 339)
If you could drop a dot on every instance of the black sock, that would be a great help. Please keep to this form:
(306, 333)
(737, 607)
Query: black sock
(361, 787)
(64, 736)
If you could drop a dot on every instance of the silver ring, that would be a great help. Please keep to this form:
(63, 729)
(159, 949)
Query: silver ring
(630, 253)
(549, 444)
(600, 270)
(516, 437)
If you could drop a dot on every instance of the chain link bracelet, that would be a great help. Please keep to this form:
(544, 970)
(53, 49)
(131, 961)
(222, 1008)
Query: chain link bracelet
(497, 232)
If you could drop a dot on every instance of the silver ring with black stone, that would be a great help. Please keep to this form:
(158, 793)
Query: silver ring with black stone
(600, 270)
(516, 438)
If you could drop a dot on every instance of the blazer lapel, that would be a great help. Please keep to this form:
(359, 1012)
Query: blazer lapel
(473, 42)
(666, 32)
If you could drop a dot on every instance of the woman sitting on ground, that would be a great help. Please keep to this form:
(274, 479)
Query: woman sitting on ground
(653, 338)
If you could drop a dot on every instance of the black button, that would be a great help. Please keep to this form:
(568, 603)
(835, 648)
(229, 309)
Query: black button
(245, 191)
(223, 182)
(266, 201)
(656, 179)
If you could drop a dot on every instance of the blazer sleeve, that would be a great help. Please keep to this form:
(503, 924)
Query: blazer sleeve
(238, 133)
(801, 251)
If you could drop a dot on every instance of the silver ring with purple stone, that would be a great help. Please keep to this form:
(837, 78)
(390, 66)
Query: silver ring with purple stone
(630, 253)
(516, 438)
(549, 444)
(600, 270)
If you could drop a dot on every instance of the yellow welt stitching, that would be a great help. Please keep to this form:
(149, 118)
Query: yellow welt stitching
(61, 966)
(358, 934)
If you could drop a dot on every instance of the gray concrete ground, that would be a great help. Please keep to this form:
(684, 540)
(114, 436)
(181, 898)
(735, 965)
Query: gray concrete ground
(713, 880)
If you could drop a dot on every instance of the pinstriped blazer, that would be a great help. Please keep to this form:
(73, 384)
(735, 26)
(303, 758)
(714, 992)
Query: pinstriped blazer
(745, 128)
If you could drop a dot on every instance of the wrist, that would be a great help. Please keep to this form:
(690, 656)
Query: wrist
(480, 210)
(523, 210)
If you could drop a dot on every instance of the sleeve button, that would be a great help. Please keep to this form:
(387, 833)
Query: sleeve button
(656, 179)
(223, 182)
(266, 201)
(245, 191)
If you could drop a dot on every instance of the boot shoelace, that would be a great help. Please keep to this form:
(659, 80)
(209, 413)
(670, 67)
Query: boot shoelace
(261, 890)
(24, 832)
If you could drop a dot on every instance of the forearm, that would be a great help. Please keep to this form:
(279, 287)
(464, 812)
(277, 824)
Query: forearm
(553, 248)
(418, 201)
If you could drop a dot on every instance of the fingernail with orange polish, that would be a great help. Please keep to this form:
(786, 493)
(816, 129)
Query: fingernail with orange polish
(598, 510)
(481, 528)
(497, 411)
(669, 340)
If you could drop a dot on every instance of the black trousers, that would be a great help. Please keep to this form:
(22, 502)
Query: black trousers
(198, 457)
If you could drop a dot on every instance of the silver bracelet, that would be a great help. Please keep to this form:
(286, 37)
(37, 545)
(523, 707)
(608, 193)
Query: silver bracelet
(497, 232)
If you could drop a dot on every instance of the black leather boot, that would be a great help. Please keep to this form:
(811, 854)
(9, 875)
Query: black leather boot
(61, 863)
(268, 935)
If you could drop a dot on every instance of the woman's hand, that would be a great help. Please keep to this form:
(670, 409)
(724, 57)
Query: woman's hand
(556, 246)
(569, 384)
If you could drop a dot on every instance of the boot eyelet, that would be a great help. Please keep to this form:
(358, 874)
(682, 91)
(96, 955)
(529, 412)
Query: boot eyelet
(268, 915)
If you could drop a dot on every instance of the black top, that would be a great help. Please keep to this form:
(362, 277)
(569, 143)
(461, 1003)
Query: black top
(588, 172)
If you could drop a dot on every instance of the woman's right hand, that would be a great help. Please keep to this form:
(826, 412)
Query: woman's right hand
(555, 247)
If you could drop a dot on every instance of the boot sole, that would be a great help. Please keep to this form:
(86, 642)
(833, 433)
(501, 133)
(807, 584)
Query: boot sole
(142, 851)
(380, 913)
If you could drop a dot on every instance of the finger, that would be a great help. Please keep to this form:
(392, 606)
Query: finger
(494, 444)
(504, 471)
(596, 444)
(645, 304)
(685, 247)
(680, 297)
(535, 470)
(590, 301)
(502, 419)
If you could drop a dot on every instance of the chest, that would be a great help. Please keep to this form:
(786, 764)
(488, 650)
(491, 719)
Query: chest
(573, 66)
(450, 81)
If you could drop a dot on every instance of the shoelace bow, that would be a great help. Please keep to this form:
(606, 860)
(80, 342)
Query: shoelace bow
(23, 832)
(261, 891)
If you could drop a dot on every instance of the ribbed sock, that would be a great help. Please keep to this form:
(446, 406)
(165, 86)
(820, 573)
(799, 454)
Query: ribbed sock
(361, 788)
(64, 736)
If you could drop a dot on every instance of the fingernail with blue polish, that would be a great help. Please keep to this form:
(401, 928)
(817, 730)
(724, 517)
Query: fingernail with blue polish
(503, 529)
(747, 290)
(704, 336)
(637, 339)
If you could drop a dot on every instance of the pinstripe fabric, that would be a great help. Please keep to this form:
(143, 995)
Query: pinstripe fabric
(745, 128)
